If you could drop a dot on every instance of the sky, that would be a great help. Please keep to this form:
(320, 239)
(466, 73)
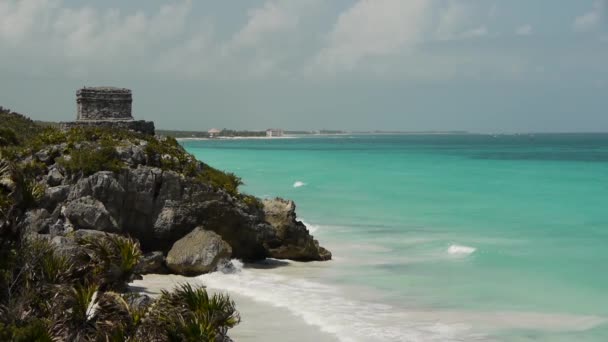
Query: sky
(412, 65)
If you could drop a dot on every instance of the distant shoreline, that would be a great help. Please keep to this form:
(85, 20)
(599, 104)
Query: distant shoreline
(296, 136)
(238, 138)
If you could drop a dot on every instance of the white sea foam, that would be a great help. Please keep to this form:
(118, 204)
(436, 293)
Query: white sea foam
(328, 308)
(298, 184)
(461, 250)
(311, 227)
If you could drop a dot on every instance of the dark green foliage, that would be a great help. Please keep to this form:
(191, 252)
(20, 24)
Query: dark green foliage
(191, 314)
(218, 179)
(87, 161)
(113, 260)
(168, 154)
(252, 201)
(87, 150)
(44, 296)
(17, 125)
(235, 133)
(8, 137)
(19, 190)
(33, 331)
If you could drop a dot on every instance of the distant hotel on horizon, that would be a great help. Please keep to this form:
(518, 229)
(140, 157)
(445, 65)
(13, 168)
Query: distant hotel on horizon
(274, 132)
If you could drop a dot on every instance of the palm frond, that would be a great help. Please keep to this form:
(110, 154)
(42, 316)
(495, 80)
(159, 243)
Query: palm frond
(114, 258)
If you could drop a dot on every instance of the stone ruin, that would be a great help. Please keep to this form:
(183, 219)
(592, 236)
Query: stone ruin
(107, 107)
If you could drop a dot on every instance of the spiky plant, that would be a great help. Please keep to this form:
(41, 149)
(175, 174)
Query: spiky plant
(114, 259)
(74, 313)
(7, 186)
(191, 314)
(117, 320)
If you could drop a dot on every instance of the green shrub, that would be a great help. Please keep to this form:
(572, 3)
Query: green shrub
(87, 161)
(35, 330)
(252, 201)
(114, 260)
(22, 127)
(8, 137)
(190, 314)
(218, 179)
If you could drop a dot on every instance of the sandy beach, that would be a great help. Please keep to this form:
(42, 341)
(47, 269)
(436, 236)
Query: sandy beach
(259, 321)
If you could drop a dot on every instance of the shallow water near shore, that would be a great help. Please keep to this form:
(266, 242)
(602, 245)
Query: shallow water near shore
(435, 238)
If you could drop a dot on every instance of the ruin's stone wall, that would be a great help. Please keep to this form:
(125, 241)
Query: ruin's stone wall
(145, 127)
(104, 103)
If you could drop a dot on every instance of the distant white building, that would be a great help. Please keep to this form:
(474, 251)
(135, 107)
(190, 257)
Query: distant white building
(274, 132)
(213, 132)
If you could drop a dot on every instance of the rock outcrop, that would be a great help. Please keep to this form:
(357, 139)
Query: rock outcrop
(159, 194)
(153, 263)
(159, 207)
(199, 252)
(295, 242)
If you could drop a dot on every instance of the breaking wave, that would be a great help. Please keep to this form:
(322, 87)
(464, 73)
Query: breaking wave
(328, 308)
(461, 250)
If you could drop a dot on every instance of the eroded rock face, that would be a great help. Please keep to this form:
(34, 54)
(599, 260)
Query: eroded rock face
(89, 213)
(295, 242)
(198, 252)
(159, 207)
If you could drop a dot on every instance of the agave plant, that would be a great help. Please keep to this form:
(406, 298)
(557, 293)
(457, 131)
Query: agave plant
(75, 310)
(116, 319)
(114, 260)
(6, 188)
(191, 314)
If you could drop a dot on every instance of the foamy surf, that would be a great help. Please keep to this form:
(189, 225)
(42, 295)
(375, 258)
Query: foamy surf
(298, 184)
(327, 308)
(311, 227)
(460, 250)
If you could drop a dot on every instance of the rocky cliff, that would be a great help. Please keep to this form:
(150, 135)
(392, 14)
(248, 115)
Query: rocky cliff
(153, 190)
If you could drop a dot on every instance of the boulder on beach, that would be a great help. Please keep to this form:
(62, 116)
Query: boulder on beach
(199, 252)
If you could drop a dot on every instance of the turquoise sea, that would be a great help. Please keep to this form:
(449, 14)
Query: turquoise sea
(437, 237)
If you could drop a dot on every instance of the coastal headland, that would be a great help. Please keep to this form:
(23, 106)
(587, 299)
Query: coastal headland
(93, 206)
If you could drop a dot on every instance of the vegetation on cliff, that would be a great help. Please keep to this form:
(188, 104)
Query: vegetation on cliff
(73, 286)
(85, 210)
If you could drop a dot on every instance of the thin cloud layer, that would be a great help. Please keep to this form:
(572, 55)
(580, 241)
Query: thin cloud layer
(275, 39)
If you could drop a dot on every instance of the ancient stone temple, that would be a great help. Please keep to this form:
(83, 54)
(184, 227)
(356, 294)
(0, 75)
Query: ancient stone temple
(107, 107)
(104, 103)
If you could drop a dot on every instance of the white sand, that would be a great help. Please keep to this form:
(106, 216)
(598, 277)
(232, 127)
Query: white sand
(259, 321)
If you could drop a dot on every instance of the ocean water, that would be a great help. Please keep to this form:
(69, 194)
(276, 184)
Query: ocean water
(436, 237)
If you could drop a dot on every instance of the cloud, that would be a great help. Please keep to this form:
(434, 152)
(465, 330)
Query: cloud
(414, 39)
(524, 30)
(461, 20)
(592, 19)
(84, 40)
(269, 18)
(372, 28)
(476, 32)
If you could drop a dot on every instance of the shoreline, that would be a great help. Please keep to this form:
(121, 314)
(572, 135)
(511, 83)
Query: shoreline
(290, 302)
(259, 321)
(237, 138)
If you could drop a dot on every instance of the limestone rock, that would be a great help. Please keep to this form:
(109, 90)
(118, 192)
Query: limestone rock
(54, 177)
(294, 240)
(55, 195)
(36, 221)
(153, 263)
(197, 253)
(89, 213)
